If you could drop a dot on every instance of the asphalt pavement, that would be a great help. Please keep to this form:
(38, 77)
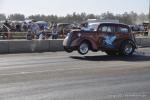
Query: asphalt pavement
(64, 76)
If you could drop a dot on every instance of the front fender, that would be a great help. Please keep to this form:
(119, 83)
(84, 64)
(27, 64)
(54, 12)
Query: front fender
(78, 41)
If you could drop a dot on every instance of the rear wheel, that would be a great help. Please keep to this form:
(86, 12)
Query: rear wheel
(127, 48)
(83, 48)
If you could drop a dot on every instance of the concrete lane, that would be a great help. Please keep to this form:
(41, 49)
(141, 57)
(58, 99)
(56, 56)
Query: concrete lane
(63, 76)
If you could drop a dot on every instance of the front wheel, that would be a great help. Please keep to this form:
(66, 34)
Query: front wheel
(83, 48)
(127, 48)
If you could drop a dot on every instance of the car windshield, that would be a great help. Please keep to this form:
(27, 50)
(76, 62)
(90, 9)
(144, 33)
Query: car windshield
(93, 26)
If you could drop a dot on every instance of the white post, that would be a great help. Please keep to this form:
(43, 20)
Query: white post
(149, 20)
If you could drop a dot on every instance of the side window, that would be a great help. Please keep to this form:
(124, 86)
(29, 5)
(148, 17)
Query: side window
(108, 29)
(123, 30)
(104, 29)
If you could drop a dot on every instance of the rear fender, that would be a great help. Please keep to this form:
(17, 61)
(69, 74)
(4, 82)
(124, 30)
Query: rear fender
(131, 41)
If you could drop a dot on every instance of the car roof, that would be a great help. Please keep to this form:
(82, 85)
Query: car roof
(110, 23)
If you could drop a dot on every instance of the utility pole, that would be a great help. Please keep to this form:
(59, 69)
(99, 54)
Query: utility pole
(149, 20)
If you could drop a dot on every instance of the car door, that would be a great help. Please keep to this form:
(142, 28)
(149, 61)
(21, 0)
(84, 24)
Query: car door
(122, 33)
(107, 36)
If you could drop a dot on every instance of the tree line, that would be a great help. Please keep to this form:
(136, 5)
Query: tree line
(126, 17)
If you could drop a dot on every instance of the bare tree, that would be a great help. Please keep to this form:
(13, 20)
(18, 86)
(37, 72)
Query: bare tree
(2, 17)
(17, 17)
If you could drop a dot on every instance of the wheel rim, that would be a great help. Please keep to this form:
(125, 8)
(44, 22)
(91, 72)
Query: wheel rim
(84, 48)
(128, 49)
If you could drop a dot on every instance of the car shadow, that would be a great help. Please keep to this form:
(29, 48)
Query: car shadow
(134, 58)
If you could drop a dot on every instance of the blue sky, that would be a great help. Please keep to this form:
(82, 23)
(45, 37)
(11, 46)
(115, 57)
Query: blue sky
(63, 7)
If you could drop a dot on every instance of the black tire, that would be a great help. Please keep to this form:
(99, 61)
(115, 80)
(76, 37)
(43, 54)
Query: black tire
(68, 50)
(83, 48)
(127, 48)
